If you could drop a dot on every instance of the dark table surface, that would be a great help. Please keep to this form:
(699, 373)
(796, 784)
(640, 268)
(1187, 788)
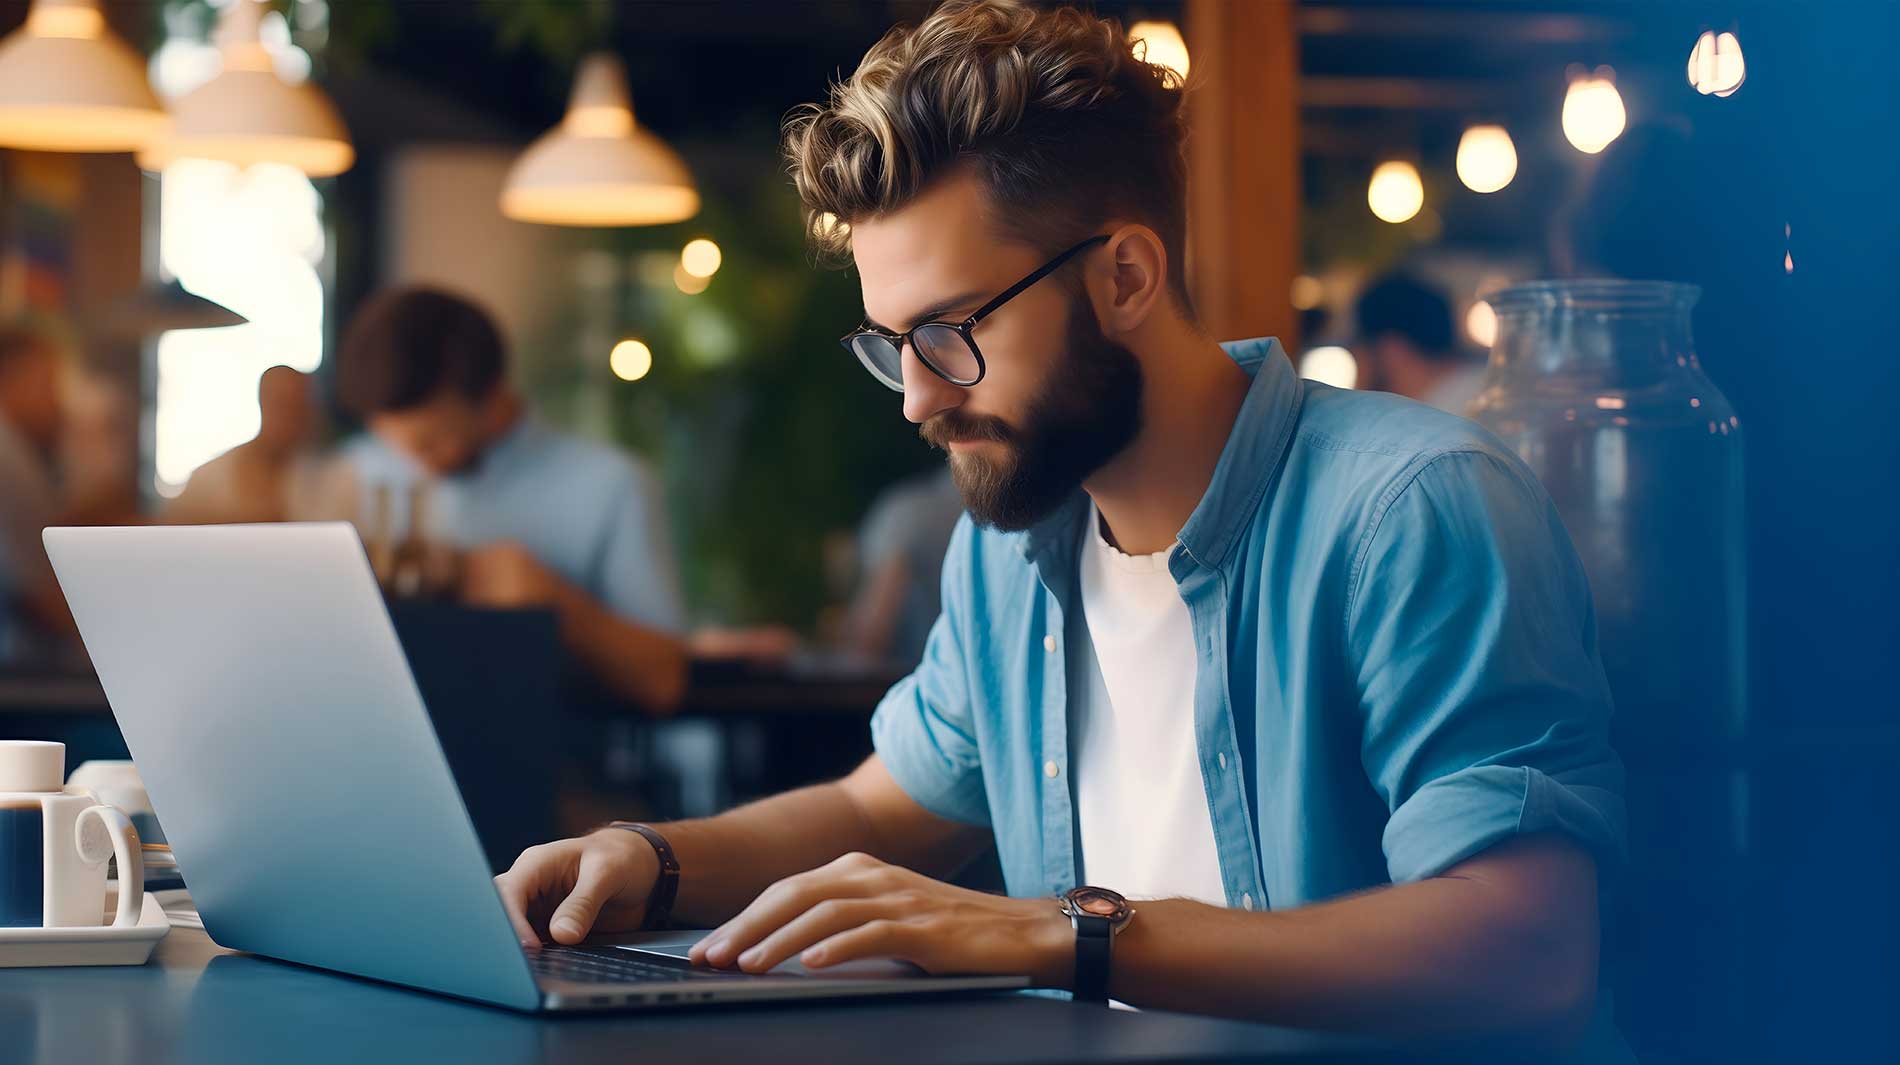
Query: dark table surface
(195, 1002)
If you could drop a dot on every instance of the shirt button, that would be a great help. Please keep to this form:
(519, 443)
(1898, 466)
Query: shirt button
(1222, 759)
(1246, 901)
(1049, 644)
(1050, 769)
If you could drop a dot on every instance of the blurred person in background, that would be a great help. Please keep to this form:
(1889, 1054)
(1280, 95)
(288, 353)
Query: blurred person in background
(1408, 346)
(900, 567)
(99, 449)
(545, 519)
(257, 481)
(33, 614)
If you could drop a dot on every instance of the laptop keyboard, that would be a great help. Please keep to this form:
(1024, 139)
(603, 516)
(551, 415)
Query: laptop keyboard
(608, 965)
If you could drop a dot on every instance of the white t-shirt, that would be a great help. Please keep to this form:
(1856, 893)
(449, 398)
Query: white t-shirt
(1140, 801)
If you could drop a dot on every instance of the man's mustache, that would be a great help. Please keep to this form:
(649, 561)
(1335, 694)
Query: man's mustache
(945, 427)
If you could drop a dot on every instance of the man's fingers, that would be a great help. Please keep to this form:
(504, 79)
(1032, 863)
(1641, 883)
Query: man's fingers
(515, 902)
(822, 921)
(882, 938)
(575, 915)
(774, 907)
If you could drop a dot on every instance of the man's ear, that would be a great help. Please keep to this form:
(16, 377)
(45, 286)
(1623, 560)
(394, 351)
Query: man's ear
(1130, 280)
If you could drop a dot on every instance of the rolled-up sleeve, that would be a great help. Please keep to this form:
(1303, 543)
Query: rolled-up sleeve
(923, 730)
(1473, 638)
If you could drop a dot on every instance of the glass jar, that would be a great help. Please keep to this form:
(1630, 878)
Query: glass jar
(1596, 385)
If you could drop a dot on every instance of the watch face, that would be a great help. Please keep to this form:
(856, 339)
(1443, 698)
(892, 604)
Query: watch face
(1100, 902)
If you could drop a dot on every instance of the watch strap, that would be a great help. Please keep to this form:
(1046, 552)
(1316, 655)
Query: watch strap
(659, 913)
(1094, 939)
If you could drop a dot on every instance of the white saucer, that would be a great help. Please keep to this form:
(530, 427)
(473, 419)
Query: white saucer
(104, 945)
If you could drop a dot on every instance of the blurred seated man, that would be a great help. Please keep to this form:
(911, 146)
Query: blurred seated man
(546, 519)
(33, 613)
(901, 553)
(255, 481)
(1408, 346)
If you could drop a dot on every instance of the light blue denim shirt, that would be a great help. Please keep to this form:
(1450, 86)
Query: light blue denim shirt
(1397, 661)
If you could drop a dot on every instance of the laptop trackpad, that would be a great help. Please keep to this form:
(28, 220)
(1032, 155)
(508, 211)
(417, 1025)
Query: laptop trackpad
(676, 944)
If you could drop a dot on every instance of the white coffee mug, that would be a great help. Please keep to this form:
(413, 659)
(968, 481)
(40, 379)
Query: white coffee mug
(55, 842)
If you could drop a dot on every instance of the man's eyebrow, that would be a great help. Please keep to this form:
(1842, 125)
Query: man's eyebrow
(933, 312)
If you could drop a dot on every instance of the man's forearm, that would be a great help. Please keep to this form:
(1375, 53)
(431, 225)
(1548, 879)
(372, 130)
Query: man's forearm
(725, 861)
(1466, 952)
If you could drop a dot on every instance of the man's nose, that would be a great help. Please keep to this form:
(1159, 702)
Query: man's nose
(925, 393)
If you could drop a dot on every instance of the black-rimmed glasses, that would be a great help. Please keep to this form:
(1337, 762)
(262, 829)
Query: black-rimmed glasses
(946, 349)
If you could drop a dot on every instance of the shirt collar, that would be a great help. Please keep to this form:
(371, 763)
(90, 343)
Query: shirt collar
(1247, 464)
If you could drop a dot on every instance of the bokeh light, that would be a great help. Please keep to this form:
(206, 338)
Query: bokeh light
(701, 258)
(1593, 112)
(1395, 193)
(1487, 160)
(1160, 43)
(1330, 365)
(631, 360)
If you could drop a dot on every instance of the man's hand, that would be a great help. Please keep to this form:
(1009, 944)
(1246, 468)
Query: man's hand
(566, 889)
(859, 907)
(506, 576)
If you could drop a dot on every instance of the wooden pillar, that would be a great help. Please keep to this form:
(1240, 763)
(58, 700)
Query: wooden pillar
(1244, 167)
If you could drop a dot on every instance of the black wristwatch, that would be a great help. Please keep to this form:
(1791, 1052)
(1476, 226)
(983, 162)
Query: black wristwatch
(659, 913)
(1098, 915)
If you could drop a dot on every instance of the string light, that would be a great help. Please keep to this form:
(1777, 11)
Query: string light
(1487, 160)
(1160, 43)
(1715, 64)
(1481, 324)
(1395, 193)
(1593, 112)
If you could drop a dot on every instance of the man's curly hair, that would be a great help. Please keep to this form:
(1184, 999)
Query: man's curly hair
(1064, 123)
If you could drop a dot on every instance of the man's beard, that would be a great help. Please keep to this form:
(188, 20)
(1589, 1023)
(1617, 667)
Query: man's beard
(1087, 411)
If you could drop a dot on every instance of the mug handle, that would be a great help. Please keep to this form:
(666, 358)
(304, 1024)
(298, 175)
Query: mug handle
(103, 832)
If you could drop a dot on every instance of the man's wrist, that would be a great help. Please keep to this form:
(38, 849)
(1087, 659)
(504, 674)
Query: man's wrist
(658, 869)
(1055, 965)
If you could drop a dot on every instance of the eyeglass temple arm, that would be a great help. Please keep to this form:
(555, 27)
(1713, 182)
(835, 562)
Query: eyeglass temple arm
(1048, 268)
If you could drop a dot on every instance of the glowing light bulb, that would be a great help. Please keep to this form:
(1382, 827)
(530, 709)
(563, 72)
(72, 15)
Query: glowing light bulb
(1481, 324)
(1395, 193)
(1160, 43)
(1715, 64)
(1593, 112)
(1487, 160)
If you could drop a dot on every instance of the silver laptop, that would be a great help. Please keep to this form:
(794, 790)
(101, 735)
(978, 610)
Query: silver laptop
(260, 687)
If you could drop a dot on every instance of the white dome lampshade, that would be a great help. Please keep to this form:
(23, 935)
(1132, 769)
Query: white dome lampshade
(597, 168)
(68, 85)
(247, 114)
